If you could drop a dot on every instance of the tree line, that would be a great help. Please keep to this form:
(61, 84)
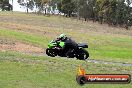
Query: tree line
(112, 12)
(41, 5)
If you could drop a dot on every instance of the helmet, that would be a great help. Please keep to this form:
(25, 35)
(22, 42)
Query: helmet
(62, 36)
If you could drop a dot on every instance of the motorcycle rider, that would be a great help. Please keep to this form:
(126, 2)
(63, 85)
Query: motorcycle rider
(70, 45)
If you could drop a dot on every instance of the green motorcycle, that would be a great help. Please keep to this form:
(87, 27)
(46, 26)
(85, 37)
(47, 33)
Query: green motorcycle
(55, 49)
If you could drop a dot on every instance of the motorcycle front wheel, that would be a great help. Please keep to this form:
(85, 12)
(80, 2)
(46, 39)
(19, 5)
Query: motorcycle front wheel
(50, 52)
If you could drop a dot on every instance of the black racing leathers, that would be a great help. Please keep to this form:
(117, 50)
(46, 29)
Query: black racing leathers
(70, 45)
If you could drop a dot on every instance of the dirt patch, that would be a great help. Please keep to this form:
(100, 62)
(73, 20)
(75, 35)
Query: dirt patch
(20, 47)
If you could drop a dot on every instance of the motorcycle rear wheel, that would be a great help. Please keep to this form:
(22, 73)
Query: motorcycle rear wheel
(83, 55)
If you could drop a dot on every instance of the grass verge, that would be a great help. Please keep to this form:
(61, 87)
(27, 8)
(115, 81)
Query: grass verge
(26, 71)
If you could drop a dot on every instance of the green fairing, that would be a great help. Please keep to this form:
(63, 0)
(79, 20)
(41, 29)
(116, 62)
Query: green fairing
(53, 44)
(50, 45)
(62, 44)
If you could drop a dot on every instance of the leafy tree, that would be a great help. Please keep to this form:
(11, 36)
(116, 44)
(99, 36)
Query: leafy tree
(67, 7)
(4, 5)
(29, 4)
(53, 3)
(42, 5)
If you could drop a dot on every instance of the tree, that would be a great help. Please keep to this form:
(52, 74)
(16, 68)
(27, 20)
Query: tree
(67, 7)
(5, 5)
(128, 21)
(54, 4)
(29, 4)
(42, 5)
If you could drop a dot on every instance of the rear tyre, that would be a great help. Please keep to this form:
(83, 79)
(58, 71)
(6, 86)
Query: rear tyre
(83, 54)
(50, 52)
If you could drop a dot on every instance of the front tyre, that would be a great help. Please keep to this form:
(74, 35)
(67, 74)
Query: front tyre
(83, 54)
(50, 52)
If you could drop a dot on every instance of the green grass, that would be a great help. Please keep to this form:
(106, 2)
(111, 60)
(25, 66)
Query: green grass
(26, 71)
(24, 37)
(99, 47)
(117, 48)
(19, 70)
